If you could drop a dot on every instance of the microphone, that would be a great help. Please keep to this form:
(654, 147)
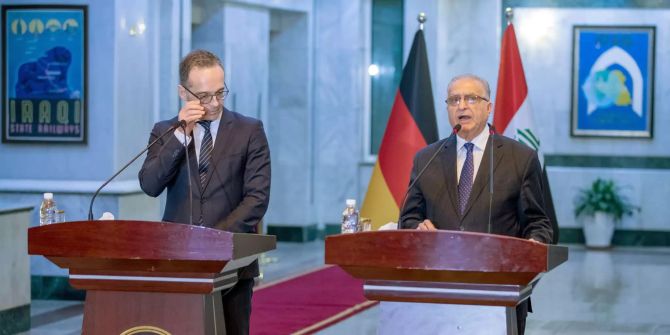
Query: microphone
(188, 171)
(492, 133)
(171, 129)
(454, 131)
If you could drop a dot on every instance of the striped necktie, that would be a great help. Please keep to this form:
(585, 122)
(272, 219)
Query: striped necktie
(465, 183)
(205, 152)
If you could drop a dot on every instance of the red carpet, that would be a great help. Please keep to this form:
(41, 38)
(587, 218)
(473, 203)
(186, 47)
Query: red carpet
(307, 303)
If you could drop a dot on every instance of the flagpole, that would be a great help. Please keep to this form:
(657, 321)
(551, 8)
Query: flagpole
(421, 18)
(509, 14)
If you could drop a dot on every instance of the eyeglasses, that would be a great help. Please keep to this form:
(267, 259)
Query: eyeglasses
(206, 98)
(470, 99)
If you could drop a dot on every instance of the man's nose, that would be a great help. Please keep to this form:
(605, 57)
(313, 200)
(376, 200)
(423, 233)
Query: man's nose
(462, 103)
(215, 102)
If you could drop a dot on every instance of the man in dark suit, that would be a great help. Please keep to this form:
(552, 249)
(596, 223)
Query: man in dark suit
(453, 192)
(230, 169)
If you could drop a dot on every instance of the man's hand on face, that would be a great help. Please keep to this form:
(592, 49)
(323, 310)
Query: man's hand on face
(191, 112)
(426, 225)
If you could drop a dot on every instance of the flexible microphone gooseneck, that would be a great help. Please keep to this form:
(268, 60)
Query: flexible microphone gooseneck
(492, 133)
(188, 171)
(170, 130)
(454, 131)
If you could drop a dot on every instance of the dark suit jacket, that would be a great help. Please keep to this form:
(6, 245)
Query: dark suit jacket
(518, 204)
(237, 191)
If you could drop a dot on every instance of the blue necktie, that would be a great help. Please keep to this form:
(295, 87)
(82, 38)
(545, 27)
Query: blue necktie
(465, 183)
(205, 152)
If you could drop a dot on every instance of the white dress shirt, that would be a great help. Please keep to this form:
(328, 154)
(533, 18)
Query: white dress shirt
(199, 133)
(477, 152)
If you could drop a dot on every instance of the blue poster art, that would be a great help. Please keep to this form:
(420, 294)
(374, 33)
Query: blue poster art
(613, 81)
(44, 61)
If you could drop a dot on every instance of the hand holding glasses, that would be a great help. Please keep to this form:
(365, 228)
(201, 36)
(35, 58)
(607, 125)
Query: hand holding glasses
(194, 110)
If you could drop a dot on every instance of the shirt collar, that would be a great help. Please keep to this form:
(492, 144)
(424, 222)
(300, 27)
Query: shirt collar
(215, 122)
(479, 141)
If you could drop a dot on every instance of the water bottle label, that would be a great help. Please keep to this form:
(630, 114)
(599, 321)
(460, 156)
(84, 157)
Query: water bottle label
(349, 223)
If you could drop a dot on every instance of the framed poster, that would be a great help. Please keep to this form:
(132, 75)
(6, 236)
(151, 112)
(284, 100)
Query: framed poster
(613, 81)
(44, 59)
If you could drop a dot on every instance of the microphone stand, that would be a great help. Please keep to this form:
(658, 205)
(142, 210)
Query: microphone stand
(188, 171)
(90, 207)
(492, 133)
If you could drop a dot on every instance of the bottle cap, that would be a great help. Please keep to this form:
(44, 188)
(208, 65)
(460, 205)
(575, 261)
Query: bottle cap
(48, 196)
(351, 202)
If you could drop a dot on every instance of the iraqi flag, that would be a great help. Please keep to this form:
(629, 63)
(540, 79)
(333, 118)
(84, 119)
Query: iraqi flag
(411, 127)
(513, 116)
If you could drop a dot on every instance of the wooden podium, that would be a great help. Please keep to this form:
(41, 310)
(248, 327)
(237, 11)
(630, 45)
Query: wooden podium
(446, 267)
(147, 277)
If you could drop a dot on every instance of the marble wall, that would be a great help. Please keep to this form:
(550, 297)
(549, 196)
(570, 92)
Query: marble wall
(456, 44)
(647, 188)
(134, 103)
(461, 37)
(246, 37)
(124, 72)
(341, 104)
(471, 44)
(300, 66)
(168, 45)
(28, 160)
(549, 75)
(14, 269)
(122, 106)
(266, 51)
(289, 118)
(14, 261)
(304, 77)
(208, 29)
(545, 41)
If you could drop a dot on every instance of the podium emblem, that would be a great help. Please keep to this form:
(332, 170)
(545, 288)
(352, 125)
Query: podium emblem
(145, 330)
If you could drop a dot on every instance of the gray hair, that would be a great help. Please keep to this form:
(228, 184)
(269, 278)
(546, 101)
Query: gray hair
(481, 80)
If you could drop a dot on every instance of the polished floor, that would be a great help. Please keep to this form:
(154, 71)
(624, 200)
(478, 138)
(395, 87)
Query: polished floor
(620, 291)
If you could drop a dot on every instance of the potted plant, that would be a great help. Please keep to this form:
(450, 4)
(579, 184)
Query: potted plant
(602, 206)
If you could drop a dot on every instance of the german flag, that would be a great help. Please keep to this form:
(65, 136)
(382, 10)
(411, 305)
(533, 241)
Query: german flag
(411, 127)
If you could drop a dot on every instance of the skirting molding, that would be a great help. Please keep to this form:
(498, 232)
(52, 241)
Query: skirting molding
(15, 320)
(294, 233)
(54, 288)
(622, 237)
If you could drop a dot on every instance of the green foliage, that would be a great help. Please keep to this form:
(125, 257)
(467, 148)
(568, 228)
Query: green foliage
(603, 196)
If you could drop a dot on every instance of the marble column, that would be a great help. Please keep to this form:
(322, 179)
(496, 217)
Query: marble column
(14, 269)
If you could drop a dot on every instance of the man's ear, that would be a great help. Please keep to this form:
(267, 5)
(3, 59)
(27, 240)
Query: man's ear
(182, 93)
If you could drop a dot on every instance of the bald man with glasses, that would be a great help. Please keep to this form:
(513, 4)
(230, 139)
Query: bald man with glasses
(452, 193)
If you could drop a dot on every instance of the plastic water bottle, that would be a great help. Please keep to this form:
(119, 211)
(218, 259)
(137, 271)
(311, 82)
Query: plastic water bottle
(350, 217)
(48, 210)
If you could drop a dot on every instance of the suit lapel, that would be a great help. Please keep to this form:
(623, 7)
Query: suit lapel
(448, 167)
(220, 145)
(482, 179)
